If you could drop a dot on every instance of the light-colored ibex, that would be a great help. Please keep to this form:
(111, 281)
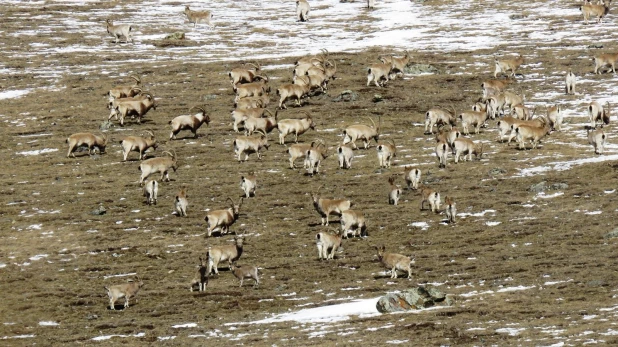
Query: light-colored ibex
(261, 124)
(294, 91)
(345, 154)
(252, 102)
(256, 88)
(189, 122)
(314, 158)
(398, 63)
(554, 115)
(571, 80)
(294, 126)
(354, 222)
(362, 132)
(119, 30)
(439, 116)
(504, 65)
(533, 134)
(151, 189)
(326, 207)
(474, 119)
(450, 210)
(465, 146)
(442, 153)
(159, 164)
(598, 113)
(242, 75)
(597, 139)
(302, 10)
(125, 290)
(379, 74)
(125, 91)
(138, 144)
(412, 176)
(595, 10)
(217, 254)
(133, 107)
(223, 219)
(248, 183)
(199, 16)
(298, 151)
(603, 60)
(246, 145)
(394, 262)
(448, 136)
(327, 245)
(522, 112)
(432, 197)
(513, 124)
(493, 86)
(86, 139)
(394, 192)
(239, 116)
(181, 203)
(386, 151)
(245, 271)
(201, 276)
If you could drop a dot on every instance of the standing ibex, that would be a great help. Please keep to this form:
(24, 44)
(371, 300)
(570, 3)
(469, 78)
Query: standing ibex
(432, 197)
(353, 221)
(554, 115)
(597, 113)
(181, 203)
(394, 193)
(248, 183)
(362, 132)
(246, 145)
(264, 125)
(398, 63)
(602, 60)
(533, 134)
(199, 16)
(125, 91)
(451, 209)
(133, 107)
(138, 144)
(314, 158)
(597, 139)
(439, 116)
(217, 254)
(394, 262)
(379, 72)
(190, 122)
(386, 151)
(442, 153)
(293, 91)
(160, 164)
(595, 10)
(298, 151)
(223, 219)
(125, 290)
(302, 10)
(86, 139)
(465, 146)
(242, 75)
(151, 189)
(294, 126)
(412, 176)
(571, 79)
(201, 276)
(345, 154)
(119, 30)
(327, 245)
(504, 65)
(326, 207)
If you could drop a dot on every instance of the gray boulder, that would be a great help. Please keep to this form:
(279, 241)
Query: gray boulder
(412, 299)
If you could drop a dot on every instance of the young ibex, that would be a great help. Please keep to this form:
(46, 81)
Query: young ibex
(199, 16)
(451, 209)
(326, 207)
(598, 113)
(472, 118)
(314, 158)
(248, 183)
(133, 107)
(532, 133)
(302, 10)
(412, 176)
(246, 145)
(394, 262)
(119, 30)
(345, 154)
(327, 245)
(181, 203)
(159, 164)
(223, 219)
(294, 91)
(394, 192)
(442, 153)
(398, 63)
(602, 60)
(439, 116)
(86, 139)
(217, 254)
(571, 80)
(504, 65)
(432, 197)
(151, 189)
(299, 150)
(465, 146)
(125, 91)
(595, 10)
(386, 151)
(554, 115)
(378, 72)
(201, 276)
(513, 124)
(264, 125)
(362, 132)
(294, 126)
(125, 290)
(190, 122)
(242, 75)
(511, 99)
(354, 222)
(138, 144)
(597, 139)
(245, 272)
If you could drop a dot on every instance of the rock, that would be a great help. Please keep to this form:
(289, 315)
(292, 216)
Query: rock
(179, 35)
(417, 69)
(377, 98)
(517, 16)
(612, 234)
(559, 186)
(106, 125)
(595, 46)
(209, 97)
(99, 211)
(539, 187)
(497, 171)
(346, 95)
(411, 299)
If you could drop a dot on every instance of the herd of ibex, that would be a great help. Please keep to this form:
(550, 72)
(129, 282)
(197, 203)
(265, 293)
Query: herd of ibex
(311, 76)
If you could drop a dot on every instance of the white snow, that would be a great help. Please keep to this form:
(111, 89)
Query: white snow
(48, 324)
(107, 337)
(186, 325)
(38, 151)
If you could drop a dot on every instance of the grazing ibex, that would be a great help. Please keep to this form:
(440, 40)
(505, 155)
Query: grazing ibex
(597, 139)
(239, 116)
(439, 116)
(190, 122)
(504, 65)
(125, 290)
(245, 272)
(345, 154)
(554, 115)
(491, 87)
(394, 193)
(217, 254)
(353, 221)
(522, 112)
(398, 64)
(248, 183)
(602, 60)
(180, 203)
(125, 91)
(327, 245)
(451, 209)
(223, 219)
(151, 189)
(595, 10)
(598, 113)
(119, 30)
(249, 145)
(86, 139)
(386, 151)
(159, 164)
(133, 107)
(294, 126)
(412, 176)
(201, 276)
(432, 197)
(571, 80)
(199, 16)
(362, 132)
(314, 158)
(299, 150)
(302, 10)
(394, 262)
(257, 88)
(138, 144)
(252, 102)
(465, 146)
(326, 207)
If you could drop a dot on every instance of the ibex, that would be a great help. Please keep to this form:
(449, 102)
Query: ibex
(493, 86)
(511, 99)
(302, 10)
(394, 193)
(138, 144)
(522, 112)
(239, 116)
(248, 183)
(125, 91)
(362, 132)
(320, 58)
(595, 10)
(293, 91)
(242, 75)
(294, 126)
(223, 219)
(597, 113)
(252, 102)
(201, 276)
(264, 125)
(386, 151)
(314, 158)
(151, 189)
(432, 197)
(465, 146)
(412, 176)
(495, 105)
(133, 107)
(246, 145)
(125, 290)
(597, 139)
(345, 154)
(86, 139)
(513, 124)
(354, 222)
(379, 74)
(532, 133)
(472, 118)
(190, 122)
(326, 207)
(299, 150)
(327, 245)
(160, 164)
(448, 136)
(571, 79)
(504, 65)
(181, 203)
(394, 262)
(451, 209)
(439, 116)
(602, 60)
(257, 88)
(198, 16)
(442, 153)
(554, 115)
(245, 272)
(119, 30)
(217, 254)
(398, 63)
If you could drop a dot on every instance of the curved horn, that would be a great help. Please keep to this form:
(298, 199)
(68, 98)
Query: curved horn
(270, 113)
(257, 68)
(136, 78)
(317, 191)
(393, 142)
(374, 123)
(149, 94)
(168, 152)
(201, 108)
(307, 113)
(150, 132)
(260, 103)
(138, 89)
(232, 201)
(325, 51)
(261, 131)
